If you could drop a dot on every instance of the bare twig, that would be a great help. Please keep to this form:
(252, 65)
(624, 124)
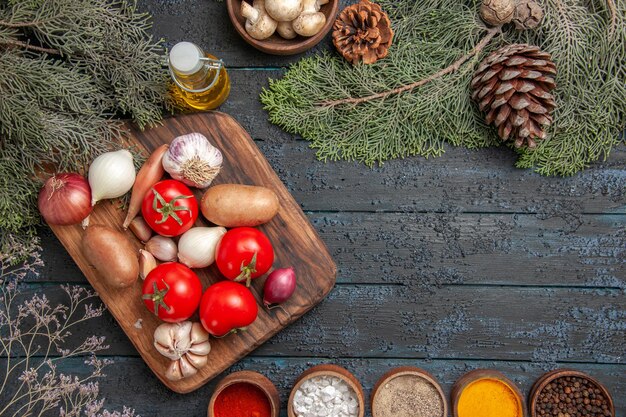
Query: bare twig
(613, 11)
(409, 87)
(11, 43)
(18, 24)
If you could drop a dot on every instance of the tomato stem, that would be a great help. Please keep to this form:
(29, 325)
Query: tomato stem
(168, 210)
(158, 297)
(247, 271)
(233, 331)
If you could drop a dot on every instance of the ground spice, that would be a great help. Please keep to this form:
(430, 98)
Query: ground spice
(242, 400)
(572, 397)
(489, 398)
(407, 396)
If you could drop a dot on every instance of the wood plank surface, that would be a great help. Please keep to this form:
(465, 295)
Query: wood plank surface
(454, 248)
(455, 321)
(294, 240)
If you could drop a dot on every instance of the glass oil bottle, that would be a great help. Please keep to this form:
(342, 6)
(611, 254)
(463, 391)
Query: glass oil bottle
(200, 80)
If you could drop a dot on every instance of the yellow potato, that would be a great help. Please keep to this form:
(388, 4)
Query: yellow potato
(236, 205)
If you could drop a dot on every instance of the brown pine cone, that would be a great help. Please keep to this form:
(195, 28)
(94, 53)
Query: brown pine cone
(362, 32)
(528, 15)
(512, 85)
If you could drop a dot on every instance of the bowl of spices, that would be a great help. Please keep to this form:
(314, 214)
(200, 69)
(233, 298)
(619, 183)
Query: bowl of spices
(486, 393)
(408, 392)
(570, 393)
(244, 394)
(326, 391)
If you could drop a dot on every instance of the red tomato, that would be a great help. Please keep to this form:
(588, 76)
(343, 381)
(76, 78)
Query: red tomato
(244, 253)
(170, 208)
(172, 292)
(227, 307)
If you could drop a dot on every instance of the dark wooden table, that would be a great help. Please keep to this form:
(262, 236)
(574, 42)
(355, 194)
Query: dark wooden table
(448, 264)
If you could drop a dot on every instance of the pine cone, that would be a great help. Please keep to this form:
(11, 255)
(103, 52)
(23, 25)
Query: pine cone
(362, 32)
(528, 15)
(497, 12)
(512, 85)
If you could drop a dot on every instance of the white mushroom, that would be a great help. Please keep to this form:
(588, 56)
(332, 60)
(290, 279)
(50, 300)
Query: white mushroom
(186, 344)
(285, 29)
(284, 10)
(311, 21)
(259, 24)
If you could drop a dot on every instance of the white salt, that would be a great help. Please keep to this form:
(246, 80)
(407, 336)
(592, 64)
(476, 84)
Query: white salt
(325, 396)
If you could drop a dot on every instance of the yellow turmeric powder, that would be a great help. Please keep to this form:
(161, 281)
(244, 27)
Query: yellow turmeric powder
(489, 398)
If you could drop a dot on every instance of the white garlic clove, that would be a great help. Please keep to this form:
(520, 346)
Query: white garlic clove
(186, 367)
(163, 248)
(174, 372)
(173, 340)
(198, 361)
(162, 343)
(181, 336)
(146, 263)
(203, 348)
(198, 334)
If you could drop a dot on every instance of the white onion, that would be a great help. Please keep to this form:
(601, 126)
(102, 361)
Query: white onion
(111, 175)
(196, 247)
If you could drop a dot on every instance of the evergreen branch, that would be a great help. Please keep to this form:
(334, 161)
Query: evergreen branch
(431, 34)
(60, 113)
(12, 43)
(409, 87)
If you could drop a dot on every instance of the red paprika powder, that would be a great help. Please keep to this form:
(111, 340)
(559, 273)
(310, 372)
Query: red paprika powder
(242, 400)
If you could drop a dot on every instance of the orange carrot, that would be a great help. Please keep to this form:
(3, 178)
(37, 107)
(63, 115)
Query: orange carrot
(149, 174)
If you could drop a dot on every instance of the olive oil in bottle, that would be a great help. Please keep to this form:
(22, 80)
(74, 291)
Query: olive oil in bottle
(200, 80)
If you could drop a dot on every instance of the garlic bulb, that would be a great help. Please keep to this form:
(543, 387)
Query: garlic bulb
(196, 247)
(186, 344)
(163, 248)
(111, 175)
(192, 160)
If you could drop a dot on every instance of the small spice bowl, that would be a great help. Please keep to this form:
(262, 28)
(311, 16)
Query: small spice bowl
(476, 393)
(275, 44)
(254, 379)
(326, 371)
(408, 391)
(570, 376)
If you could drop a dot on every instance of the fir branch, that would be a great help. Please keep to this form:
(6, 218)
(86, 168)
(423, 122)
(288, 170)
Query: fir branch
(410, 87)
(431, 34)
(60, 112)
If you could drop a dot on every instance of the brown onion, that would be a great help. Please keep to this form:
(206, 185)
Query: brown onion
(65, 199)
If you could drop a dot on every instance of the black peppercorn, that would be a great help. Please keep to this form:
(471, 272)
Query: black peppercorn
(572, 397)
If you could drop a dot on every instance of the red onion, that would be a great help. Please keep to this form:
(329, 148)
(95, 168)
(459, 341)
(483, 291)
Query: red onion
(279, 286)
(65, 199)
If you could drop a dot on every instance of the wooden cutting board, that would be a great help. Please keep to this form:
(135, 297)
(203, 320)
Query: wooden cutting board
(295, 244)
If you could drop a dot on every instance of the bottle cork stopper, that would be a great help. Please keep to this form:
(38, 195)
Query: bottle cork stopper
(185, 58)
